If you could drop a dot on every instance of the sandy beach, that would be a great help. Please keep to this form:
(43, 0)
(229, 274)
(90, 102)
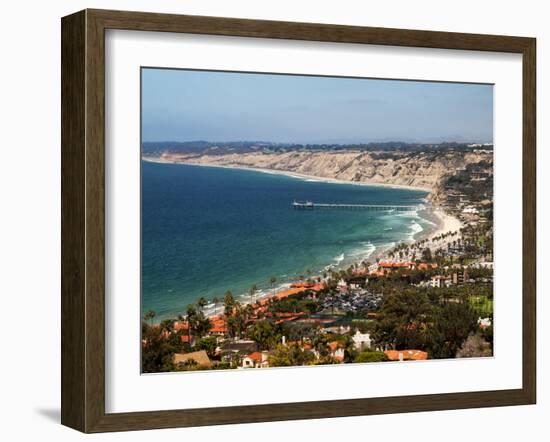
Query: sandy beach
(447, 223)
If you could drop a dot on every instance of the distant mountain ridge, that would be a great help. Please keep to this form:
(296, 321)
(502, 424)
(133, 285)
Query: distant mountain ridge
(229, 147)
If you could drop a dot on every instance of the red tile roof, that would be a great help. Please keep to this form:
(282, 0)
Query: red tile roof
(395, 265)
(256, 356)
(302, 284)
(408, 355)
(426, 266)
(218, 325)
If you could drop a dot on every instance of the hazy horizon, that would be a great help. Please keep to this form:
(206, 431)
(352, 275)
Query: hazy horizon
(189, 105)
(389, 140)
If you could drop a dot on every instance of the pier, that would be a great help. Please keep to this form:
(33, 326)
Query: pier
(309, 205)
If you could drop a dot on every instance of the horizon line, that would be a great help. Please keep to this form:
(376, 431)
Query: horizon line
(320, 143)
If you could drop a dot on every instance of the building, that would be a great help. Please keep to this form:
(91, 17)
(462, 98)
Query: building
(336, 350)
(256, 359)
(426, 266)
(406, 355)
(361, 341)
(236, 350)
(459, 277)
(198, 357)
(470, 210)
(439, 281)
(484, 323)
(218, 326)
(484, 265)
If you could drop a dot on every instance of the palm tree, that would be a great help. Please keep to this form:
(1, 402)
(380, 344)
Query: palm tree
(272, 281)
(249, 311)
(252, 292)
(229, 303)
(201, 303)
(215, 301)
(167, 325)
(149, 316)
(191, 315)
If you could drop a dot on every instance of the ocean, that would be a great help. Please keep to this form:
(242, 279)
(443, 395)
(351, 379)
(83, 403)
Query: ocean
(206, 230)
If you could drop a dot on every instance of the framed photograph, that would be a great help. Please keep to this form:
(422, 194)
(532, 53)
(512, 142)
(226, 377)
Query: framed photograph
(266, 221)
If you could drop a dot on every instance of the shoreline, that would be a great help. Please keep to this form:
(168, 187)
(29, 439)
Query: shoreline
(290, 174)
(443, 221)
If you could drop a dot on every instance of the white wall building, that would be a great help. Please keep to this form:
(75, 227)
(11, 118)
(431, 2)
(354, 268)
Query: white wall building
(361, 341)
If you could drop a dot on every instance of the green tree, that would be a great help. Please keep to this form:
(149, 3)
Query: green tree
(264, 333)
(215, 301)
(402, 320)
(191, 318)
(149, 316)
(452, 323)
(167, 326)
(290, 355)
(208, 343)
(229, 303)
(201, 303)
(371, 356)
(156, 351)
(427, 254)
(252, 293)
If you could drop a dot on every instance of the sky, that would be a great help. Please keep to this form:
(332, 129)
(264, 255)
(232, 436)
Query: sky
(185, 105)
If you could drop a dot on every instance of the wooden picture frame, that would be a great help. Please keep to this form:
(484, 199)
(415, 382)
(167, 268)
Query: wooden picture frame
(83, 220)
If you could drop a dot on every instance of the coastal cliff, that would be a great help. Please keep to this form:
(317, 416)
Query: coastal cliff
(416, 169)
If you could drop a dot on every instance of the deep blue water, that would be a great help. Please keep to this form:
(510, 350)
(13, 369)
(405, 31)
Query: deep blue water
(206, 230)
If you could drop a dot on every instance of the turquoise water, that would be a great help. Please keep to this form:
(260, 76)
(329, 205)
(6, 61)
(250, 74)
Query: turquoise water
(206, 230)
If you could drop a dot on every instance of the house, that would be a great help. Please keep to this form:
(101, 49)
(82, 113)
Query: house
(342, 286)
(256, 359)
(336, 350)
(356, 282)
(198, 357)
(426, 266)
(396, 265)
(186, 339)
(484, 323)
(406, 355)
(438, 281)
(361, 341)
(236, 349)
(218, 326)
(470, 210)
